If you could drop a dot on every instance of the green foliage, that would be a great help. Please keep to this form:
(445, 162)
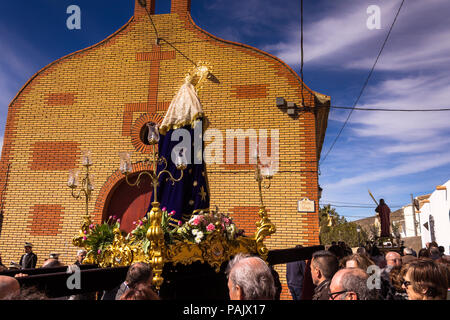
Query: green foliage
(336, 228)
(101, 236)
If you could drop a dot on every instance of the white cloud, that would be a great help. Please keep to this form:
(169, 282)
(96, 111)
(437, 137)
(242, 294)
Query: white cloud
(410, 165)
(342, 39)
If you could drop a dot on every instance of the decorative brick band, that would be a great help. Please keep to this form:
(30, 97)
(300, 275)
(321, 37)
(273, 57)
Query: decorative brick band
(246, 165)
(155, 55)
(60, 99)
(249, 91)
(46, 219)
(136, 139)
(54, 155)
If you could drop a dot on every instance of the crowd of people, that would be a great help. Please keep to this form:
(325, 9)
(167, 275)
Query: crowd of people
(368, 274)
(333, 274)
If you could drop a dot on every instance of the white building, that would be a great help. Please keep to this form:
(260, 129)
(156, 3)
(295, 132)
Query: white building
(435, 217)
(410, 225)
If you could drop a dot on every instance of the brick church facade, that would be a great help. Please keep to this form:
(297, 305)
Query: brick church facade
(101, 97)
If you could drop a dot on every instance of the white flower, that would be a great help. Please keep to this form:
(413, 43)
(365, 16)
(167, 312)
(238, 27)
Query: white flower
(199, 237)
(194, 231)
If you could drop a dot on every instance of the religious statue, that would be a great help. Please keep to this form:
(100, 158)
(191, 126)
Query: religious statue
(384, 214)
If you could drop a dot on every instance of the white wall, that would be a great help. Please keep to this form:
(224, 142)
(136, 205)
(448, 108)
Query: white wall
(408, 224)
(439, 208)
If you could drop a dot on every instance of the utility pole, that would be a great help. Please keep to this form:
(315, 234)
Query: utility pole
(414, 214)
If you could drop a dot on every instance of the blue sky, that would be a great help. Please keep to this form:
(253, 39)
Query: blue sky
(392, 154)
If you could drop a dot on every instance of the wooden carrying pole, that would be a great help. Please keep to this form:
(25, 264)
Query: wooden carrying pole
(373, 198)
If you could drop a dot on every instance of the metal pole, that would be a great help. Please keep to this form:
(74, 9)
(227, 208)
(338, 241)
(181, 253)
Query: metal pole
(414, 215)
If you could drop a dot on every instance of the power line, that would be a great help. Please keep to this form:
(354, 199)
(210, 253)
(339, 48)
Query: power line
(352, 203)
(365, 83)
(385, 109)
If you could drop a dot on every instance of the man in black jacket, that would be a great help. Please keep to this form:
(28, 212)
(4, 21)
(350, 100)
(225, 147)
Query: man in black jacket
(324, 265)
(29, 259)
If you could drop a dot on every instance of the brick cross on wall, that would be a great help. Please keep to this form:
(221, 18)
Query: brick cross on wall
(152, 105)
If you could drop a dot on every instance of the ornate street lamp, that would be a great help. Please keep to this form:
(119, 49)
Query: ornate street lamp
(264, 227)
(86, 187)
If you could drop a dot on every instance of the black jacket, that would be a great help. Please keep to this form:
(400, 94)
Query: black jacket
(28, 261)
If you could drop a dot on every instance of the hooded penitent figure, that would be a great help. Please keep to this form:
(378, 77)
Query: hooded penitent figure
(384, 213)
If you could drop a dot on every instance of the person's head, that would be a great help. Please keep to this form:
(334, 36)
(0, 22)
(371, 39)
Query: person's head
(249, 278)
(139, 273)
(349, 284)
(382, 201)
(9, 286)
(361, 251)
(140, 292)
(441, 251)
(28, 293)
(338, 251)
(54, 256)
(407, 252)
(396, 277)
(28, 247)
(333, 243)
(324, 265)
(424, 253)
(81, 254)
(434, 253)
(393, 259)
(52, 263)
(357, 261)
(433, 244)
(374, 251)
(426, 280)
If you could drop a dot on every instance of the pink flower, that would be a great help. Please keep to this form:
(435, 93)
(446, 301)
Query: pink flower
(118, 220)
(172, 212)
(99, 251)
(114, 217)
(140, 222)
(227, 221)
(91, 226)
(134, 222)
(196, 222)
(164, 209)
(85, 232)
(180, 223)
(210, 227)
(84, 238)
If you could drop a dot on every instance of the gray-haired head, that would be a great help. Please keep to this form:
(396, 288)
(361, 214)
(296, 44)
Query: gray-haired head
(355, 280)
(253, 276)
(81, 251)
(408, 252)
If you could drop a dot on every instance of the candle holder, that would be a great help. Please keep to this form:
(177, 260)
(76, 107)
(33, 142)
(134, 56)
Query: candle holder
(155, 233)
(263, 175)
(85, 190)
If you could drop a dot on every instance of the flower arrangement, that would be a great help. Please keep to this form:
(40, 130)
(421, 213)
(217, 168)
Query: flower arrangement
(139, 234)
(203, 224)
(98, 237)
